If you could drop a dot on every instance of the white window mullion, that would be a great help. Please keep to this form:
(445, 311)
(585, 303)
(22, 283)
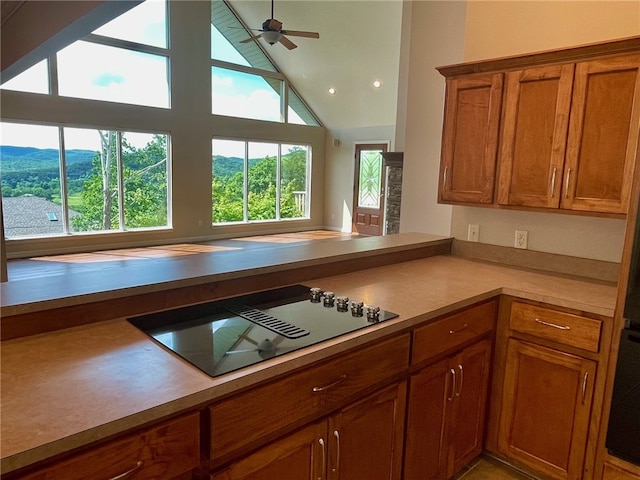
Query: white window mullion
(64, 202)
(245, 168)
(52, 66)
(278, 180)
(120, 173)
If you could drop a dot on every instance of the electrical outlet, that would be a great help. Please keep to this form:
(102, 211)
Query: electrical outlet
(473, 233)
(521, 239)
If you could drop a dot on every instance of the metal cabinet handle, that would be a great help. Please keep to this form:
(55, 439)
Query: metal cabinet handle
(444, 178)
(566, 184)
(324, 460)
(464, 327)
(340, 380)
(554, 325)
(128, 473)
(453, 384)
(337, 435)
(584, 386)
(553, 182)
(461, 380)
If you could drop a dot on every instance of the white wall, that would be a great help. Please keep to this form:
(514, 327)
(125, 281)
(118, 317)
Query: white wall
(436, 38)
(453, 32)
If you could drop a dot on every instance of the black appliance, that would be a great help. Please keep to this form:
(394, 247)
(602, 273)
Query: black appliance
(623, 433)
(226, 335)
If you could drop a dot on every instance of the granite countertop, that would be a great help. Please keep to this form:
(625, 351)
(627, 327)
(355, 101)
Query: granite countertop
(74, 386)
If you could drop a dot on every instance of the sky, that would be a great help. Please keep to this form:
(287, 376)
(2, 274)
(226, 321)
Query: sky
(115, 74)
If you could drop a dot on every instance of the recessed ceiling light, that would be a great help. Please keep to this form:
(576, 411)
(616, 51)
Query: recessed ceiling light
(332, 91)
(377, 84)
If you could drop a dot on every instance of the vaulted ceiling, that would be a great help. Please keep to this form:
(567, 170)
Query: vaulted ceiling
(359, 43)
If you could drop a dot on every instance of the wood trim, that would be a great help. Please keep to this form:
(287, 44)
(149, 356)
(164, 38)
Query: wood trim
(564, 55)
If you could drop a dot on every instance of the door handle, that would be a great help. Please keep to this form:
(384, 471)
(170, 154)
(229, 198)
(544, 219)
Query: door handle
(337, 466)
(459, 391)
(453, 384)
(324, 460)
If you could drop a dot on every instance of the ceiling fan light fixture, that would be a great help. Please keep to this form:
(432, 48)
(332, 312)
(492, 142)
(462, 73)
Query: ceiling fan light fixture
(271, 37)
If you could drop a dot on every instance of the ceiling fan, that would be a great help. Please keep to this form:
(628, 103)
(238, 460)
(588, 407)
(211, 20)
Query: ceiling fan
(272, 32)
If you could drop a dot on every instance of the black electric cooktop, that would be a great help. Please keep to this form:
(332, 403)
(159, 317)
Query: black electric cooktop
(226, 335)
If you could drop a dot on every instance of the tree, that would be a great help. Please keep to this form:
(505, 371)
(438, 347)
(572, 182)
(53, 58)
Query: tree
(144, 183)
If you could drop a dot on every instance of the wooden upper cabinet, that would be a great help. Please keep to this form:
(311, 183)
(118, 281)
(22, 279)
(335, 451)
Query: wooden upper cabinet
(470, 138)
(534, 132)
(603, 135)
(565, 137)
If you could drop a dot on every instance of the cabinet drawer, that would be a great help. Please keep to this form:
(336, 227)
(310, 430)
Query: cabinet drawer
(243, 420)
(565, 328)
(451, 331)
(164, 451)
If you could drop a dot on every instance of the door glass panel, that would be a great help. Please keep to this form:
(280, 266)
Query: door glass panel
(370, 178)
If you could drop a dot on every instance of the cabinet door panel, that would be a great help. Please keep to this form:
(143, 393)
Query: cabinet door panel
(365, 439)
(468, 421)
(603, 135)
(470, 138)
(299, 456)
(431, 394)
(534, 131)
(546, 407)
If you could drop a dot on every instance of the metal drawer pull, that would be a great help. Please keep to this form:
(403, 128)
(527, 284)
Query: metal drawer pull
(461, 380)
(453, 384)
(548, 324)
(337, 435)
(464, 327)
(566, 185)
(320, 389)
(553, 182)
(584, 386)
(324, 460)
(128, 473)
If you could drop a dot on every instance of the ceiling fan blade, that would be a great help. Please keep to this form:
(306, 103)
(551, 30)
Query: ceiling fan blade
(287, 43)
(275, 25)
(296, 33)
(250, 39)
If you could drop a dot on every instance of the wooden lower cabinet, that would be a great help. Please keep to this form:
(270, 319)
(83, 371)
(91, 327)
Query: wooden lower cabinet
(362, 440)
(169, 450)
(546, 408)
(446, 414)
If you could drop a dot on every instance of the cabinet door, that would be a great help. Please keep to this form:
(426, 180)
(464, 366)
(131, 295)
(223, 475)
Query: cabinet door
(468, 417)
(603, 135)
(431, 394)
(546, 402)
(470, 138)
(365, 439)
(299, 456)
(534, 133)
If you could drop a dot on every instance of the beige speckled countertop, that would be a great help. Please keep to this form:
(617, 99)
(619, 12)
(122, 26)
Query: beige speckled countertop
(68, 388)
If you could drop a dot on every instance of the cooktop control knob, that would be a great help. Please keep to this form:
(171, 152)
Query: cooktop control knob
(357, 309)
(329, 299)
(342, 304)
(373, 313)
(314, 294)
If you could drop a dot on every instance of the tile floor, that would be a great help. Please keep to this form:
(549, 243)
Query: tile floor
(487, 468)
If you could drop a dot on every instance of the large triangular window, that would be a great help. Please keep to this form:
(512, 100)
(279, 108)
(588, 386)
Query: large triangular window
(244, 81)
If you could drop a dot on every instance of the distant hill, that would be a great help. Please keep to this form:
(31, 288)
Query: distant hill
(14, 159)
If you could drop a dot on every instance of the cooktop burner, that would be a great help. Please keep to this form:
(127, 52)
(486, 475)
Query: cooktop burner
(225, 335)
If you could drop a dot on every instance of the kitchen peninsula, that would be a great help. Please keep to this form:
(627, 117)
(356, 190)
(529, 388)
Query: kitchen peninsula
(74, 390)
